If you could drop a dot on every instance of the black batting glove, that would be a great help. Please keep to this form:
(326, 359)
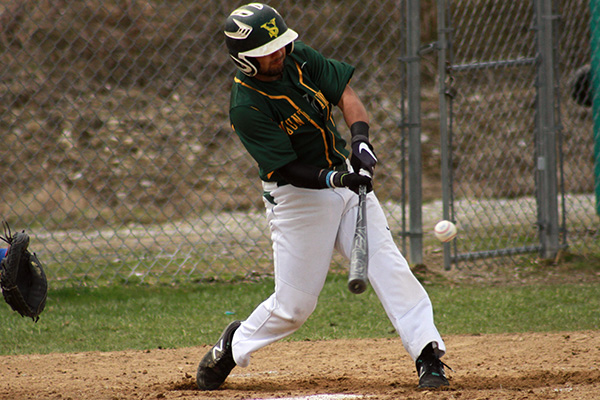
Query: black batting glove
(350, 180)
(363, 157)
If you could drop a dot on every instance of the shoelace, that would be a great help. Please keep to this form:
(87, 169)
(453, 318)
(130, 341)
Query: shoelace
(434, 363)
(445, 365)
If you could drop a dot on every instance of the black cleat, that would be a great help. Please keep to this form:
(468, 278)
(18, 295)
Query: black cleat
(216, 365)
(431, 369)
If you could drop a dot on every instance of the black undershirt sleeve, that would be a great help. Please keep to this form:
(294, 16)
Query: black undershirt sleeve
(309, 177)
(302, 175)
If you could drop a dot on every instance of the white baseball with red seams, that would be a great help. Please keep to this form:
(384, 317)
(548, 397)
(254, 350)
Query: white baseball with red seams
(445, 231)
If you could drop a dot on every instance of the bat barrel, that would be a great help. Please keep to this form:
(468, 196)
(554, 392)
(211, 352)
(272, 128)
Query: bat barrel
(357, 278)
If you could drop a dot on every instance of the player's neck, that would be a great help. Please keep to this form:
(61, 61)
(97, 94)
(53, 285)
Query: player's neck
(268, 78)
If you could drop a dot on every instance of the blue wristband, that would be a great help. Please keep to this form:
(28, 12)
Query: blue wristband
(327, 178)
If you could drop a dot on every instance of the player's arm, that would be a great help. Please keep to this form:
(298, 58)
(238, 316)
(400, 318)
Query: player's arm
(352, 107)
(356, 117)
(311, 177)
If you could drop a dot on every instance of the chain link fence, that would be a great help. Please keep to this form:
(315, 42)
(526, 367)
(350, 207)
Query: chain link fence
(520, 165)
(580, 139)
(117, 153)
(118, 158)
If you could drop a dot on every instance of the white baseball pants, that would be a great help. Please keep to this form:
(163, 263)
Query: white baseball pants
(306, 226)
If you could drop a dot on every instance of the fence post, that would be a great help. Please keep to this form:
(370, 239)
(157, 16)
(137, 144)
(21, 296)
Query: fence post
(546, 131)
(443, 54)
(415, 167)
(595, 43)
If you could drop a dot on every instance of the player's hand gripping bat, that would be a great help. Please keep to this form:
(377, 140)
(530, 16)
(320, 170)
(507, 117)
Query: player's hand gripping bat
(357, 279)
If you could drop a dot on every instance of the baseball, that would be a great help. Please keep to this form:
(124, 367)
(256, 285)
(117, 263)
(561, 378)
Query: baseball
(445, 231)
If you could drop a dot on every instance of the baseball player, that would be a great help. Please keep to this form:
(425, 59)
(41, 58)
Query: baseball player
(281, 109)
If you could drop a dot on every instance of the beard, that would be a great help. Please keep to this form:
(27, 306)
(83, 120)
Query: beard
(273, 70)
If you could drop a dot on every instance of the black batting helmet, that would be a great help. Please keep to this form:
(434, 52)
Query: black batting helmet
(256, 30)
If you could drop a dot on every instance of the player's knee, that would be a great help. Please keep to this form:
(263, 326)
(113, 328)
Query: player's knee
(296, 315)
(301, 315)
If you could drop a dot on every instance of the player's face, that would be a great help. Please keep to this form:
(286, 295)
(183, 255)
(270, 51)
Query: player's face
(271, 66)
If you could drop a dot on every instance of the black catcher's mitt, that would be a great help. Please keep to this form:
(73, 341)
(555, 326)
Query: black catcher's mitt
(22, 278)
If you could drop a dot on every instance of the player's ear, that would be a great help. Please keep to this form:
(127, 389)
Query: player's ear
(289, 48)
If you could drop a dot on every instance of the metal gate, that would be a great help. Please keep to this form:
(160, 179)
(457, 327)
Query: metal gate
(500, 128)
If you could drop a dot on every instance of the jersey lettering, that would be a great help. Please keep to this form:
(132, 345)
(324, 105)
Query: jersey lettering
(320, 97)
(319, 103)
(291, 124)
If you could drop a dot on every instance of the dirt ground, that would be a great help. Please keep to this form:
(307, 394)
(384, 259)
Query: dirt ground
(529, 366)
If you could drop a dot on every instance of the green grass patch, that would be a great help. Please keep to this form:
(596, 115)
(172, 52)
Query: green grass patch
(148, 317)
(532, 308)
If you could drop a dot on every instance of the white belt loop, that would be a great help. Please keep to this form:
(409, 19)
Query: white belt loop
(269, 186)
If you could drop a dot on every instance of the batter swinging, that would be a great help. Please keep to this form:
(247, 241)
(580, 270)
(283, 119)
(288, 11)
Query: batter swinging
(281, 109)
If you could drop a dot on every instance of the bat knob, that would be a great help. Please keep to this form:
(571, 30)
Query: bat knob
(357, 286)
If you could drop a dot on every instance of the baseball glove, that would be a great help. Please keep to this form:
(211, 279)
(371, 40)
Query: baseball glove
(22, 278)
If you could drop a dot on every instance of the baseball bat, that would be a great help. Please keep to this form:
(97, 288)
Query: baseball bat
(357, 278)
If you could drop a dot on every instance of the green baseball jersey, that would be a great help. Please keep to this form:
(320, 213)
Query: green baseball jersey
(291, 118)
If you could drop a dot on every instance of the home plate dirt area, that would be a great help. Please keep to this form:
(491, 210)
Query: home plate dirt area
(563, 365)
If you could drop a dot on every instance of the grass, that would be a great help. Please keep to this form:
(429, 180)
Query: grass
(148, 317)
(473, 310)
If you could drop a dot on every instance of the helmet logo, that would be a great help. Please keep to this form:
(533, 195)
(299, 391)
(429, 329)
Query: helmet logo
(271, 27)
(243, 31)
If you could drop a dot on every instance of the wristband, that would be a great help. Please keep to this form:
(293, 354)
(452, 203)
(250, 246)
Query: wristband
(328, 179)
(360, 128)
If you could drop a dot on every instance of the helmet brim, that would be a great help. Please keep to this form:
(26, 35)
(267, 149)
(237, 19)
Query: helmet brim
(269, 48)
